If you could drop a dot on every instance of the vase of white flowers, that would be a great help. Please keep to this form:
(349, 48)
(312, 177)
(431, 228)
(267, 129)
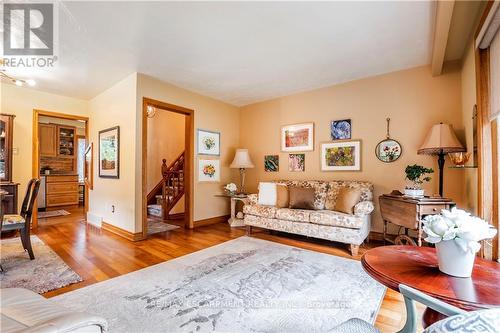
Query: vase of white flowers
(231, 188)
(457, 235)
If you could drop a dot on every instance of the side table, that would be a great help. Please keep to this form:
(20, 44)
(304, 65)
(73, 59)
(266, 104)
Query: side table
(233, 220)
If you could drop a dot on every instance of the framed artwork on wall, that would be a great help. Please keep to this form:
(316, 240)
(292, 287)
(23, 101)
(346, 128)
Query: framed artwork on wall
(296, 162)
(340, 129)
(341, 156)
(298, 137)
(208, 142)
(388, 150)
(208, 170)
(88, 167)
(271, 163)
(109, 153)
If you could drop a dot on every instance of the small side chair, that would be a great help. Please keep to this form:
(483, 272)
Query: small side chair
(22, 222)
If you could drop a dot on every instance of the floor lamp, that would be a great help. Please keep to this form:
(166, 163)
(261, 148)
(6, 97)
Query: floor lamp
(242, 161)
(441, 140)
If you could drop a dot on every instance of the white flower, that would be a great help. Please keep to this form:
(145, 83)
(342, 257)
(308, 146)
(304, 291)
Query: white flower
(438, 228)
(231, 187)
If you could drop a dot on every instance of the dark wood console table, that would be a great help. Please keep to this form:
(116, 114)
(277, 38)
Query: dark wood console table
(417, 267)
(408, 212)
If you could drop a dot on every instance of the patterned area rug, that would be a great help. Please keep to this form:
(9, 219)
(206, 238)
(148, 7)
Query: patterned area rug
(244, 285)
(53, 213)
(46, 272)
(155, 227)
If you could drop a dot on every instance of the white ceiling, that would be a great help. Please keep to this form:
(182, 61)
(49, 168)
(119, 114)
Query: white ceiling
(237, 52)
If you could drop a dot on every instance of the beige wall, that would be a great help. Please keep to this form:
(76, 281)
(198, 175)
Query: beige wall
(468, 79)
(413, 99)
(209, 114)
(116, 107)
(21, 102)
(166, 140)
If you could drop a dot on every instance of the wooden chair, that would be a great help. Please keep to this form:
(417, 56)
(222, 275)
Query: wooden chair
(22, 222)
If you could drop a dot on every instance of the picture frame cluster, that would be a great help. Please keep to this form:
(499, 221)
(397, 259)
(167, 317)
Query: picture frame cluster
(208, 147)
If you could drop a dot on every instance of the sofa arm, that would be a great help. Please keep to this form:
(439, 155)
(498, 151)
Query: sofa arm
(69, 322)
(363, 208)
(253, 199)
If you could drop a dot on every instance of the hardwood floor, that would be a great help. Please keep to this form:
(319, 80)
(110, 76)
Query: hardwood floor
(99, 255)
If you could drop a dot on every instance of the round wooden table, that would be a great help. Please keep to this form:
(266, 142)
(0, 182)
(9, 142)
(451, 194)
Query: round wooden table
(417, 267)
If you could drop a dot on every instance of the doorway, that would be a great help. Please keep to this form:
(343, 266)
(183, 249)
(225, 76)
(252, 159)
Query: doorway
(167, 166)
(59, 142)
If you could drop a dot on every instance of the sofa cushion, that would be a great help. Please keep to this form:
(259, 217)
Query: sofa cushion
(301, 197)
(320, 189)
(260, 210)
(366, 189)
(267, 194)
(282, 196)
(336, 219)
(347, 198)
(295, 215)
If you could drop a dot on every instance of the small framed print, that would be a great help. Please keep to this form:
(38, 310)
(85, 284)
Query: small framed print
(208, 142)
(388, 150)
(271, 163)
(340, 129)
(109, 153)
(298, 137)
(208, 170)
(341, 156)
(296, 162)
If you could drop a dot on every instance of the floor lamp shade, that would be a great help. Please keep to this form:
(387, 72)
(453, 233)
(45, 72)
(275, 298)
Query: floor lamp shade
(441, 140)
(242, 161)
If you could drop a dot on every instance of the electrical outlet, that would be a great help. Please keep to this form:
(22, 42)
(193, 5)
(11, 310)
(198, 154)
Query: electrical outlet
(112, 208)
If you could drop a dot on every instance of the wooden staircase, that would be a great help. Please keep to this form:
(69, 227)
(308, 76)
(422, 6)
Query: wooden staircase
(169, 190)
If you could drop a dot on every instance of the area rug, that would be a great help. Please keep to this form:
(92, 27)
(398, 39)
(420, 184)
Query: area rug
(46, 272)
(53, 213)
(155, 227)
(243, 285)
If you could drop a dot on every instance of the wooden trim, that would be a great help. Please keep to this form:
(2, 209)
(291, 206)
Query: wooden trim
(133, 237)
(495, 185)
(444, 12)
(212, 220)
(35, 171)
(188, 159)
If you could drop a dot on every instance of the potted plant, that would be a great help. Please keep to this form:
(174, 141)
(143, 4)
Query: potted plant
(456, 234)
(416, 174)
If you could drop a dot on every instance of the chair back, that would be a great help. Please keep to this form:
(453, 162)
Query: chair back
(29, 200)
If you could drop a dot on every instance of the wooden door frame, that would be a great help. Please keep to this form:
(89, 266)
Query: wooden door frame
(189, 144)
(36, 150)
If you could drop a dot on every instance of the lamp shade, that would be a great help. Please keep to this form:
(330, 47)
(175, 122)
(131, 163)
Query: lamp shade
(241, 160)
(441, 139)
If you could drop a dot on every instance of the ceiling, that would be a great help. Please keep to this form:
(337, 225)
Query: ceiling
(237, 52)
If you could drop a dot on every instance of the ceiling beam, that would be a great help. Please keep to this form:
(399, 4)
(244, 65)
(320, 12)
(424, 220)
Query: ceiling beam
(444, 12)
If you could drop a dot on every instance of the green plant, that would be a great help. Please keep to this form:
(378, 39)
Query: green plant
(416, 174)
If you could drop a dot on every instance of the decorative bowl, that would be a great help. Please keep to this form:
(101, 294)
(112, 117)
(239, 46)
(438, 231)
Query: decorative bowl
(459, 159)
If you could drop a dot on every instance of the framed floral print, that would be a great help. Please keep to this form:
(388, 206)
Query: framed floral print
(298, 137)
(208, 142)
(208, 170)
(109, 153)
(340, 129)
(341, 156)
(296, 162)
(271, 163)
(388, 150)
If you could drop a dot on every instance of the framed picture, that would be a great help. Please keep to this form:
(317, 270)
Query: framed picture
(109, 153)
(208, 142)
(341, 156)
(208, 170)
(298, 137)
(296, 162)
(388, 150)
(88, 167)
(340, 129)
(271, 163)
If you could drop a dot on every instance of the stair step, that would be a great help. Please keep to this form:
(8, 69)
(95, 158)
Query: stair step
(155, 210)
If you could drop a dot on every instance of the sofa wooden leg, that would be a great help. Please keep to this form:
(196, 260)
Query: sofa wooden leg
(248, 230)
(354, 249)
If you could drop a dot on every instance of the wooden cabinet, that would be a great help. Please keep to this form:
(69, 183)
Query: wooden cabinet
(48, 141)
(61, 190)
(9, 202)
(66, 136)
(6, 132)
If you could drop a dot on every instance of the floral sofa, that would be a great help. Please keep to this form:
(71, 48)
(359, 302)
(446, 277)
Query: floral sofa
(319, 223)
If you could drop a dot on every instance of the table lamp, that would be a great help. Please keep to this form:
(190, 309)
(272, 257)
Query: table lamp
(242, 161)
(441, 140)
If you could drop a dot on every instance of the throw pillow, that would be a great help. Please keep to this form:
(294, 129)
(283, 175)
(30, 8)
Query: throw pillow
(267, 194)
(282, 197)
(301, 197)
(347, 198)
